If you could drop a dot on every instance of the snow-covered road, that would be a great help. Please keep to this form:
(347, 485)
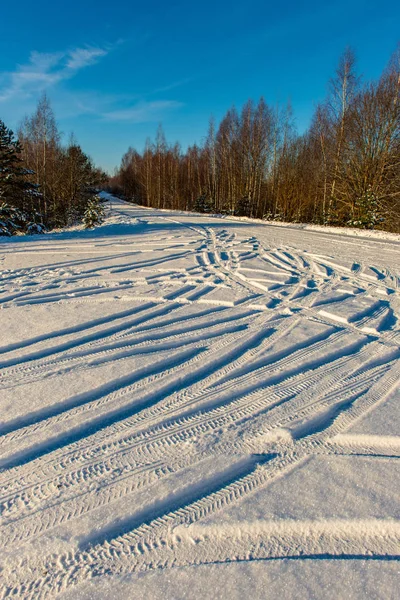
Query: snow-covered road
(180, 391)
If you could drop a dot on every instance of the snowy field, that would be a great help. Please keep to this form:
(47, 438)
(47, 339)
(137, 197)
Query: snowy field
(197, 407)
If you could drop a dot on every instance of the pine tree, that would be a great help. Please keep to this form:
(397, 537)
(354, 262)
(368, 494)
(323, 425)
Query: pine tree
(367, 211)
(15, 187)
(94, 213)
(243, 207)
(203, 205)
(12, 221)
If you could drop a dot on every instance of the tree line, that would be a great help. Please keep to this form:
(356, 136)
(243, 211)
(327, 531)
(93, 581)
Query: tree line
(344, 170)
(43, 183)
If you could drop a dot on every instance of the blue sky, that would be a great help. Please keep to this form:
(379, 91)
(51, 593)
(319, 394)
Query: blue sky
(114, 70)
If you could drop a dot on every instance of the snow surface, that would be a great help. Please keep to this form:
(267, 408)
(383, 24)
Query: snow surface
(195, 406)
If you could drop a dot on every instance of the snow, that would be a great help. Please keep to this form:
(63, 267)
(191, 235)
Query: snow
(196, 406)
(350, 579)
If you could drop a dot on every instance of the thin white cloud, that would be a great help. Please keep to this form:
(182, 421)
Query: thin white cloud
(143, 112)
(173, 85)
(19, 89)
(42, 61)
(47, 69)
(84, 57)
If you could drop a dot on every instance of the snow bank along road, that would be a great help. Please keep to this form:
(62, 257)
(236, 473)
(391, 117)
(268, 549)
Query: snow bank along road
(179, 390)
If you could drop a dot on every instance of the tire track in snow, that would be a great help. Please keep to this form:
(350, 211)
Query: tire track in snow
(313, 390)
(188, 427)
